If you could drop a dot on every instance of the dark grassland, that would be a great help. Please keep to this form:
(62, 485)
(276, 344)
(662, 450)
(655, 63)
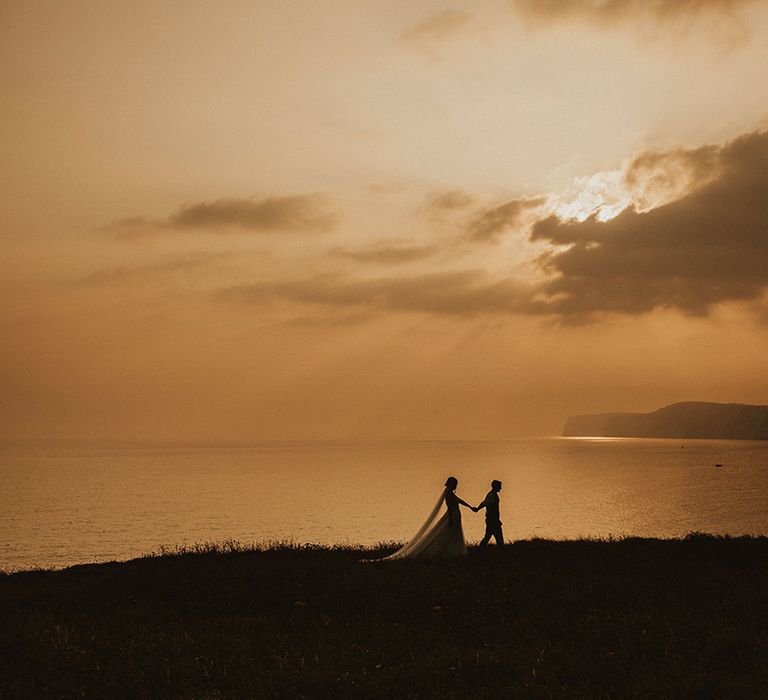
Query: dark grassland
(595, 619)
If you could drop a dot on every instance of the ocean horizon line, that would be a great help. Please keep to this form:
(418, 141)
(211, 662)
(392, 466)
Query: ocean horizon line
(191, 443)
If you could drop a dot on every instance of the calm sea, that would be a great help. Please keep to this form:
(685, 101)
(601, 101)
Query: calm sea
(61, 506)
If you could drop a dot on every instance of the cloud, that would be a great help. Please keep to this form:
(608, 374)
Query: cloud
(492, 223)
(171, 264)
(703, 248)
(457, 293)
(309, 212)
(387, 254)
(655, 178)
(437, 30)
(453, 200)
(688, 231)
(685, 250)
(607, 13)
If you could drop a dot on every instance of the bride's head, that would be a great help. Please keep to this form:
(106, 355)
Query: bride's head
(451, 483)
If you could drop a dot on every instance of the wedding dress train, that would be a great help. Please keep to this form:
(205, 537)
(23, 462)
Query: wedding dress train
(438, 538)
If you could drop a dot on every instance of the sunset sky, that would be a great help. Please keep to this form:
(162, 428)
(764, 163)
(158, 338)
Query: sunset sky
(294, 219)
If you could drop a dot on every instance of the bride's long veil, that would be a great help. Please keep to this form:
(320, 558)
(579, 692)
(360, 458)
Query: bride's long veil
(414, 543)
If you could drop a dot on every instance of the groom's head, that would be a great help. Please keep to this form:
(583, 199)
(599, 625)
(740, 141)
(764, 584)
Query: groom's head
(496, 485)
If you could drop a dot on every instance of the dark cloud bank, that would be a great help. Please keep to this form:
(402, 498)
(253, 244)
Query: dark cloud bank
(703, 248)
(707, 247)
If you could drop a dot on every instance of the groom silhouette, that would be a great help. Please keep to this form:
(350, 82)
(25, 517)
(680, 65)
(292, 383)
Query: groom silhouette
(492, 519)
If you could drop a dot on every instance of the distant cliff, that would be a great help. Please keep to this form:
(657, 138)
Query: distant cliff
(691, 419)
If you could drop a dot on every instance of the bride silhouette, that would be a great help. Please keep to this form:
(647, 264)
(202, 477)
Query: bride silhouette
(442, 538)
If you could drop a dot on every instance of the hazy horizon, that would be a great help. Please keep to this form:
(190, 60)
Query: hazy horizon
(192, 442)
(421, 220)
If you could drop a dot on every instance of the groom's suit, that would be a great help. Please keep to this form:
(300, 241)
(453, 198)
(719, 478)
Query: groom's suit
(492, 520)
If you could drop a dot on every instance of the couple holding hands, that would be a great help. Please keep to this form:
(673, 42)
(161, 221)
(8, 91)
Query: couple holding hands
(444, 537)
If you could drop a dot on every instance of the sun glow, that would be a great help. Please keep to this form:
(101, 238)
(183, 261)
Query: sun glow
(603, 195)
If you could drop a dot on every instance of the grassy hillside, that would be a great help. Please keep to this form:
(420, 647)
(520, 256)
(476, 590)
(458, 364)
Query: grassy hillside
(647, 618)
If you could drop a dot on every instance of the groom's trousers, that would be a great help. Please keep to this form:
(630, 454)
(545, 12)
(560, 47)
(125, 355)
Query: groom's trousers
(493, 529)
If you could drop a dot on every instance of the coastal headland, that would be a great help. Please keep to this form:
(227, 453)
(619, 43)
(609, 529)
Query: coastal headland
(688, 419)
(585, 618)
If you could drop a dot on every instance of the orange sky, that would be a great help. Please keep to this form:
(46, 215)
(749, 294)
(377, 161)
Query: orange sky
(243, 220)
